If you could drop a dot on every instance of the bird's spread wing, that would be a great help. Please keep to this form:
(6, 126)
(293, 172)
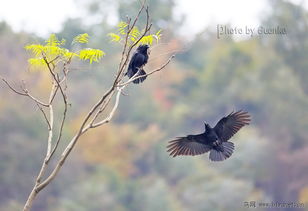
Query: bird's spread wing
(229, 125)
(186, 146)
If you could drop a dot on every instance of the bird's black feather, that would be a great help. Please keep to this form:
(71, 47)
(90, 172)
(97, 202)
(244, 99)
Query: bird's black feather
(138, 60)
(229, 125)
(223, 152)
(213, 140)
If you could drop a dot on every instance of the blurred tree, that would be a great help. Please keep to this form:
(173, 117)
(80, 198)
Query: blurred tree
(292, 47)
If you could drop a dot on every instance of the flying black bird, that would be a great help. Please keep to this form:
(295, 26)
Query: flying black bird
(214, 139)
(138, 60)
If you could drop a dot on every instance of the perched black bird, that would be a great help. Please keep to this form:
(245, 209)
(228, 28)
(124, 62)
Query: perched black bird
(214, 139)
(138, 60)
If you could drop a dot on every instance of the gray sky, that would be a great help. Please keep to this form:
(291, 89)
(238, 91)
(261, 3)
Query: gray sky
(38, 16)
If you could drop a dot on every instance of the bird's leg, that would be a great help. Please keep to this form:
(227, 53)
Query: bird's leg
(217, 142)
(139, 69)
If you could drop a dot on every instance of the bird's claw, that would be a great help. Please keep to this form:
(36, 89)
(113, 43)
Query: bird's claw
(216, 143)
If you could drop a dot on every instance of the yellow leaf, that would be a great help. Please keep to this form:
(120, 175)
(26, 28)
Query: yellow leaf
(54, 41)
(114, 37)
(122, 27)
(35, 49)
(91, 54)
(81, 38)
(37, 64)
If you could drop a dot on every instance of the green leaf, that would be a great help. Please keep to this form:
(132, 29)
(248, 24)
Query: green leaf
(81, 38)
(91, 54)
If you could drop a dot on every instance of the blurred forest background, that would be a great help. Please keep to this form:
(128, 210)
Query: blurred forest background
(123, 166)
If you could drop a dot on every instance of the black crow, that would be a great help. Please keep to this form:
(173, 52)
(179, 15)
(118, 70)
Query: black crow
(138, 60)
(214, 139)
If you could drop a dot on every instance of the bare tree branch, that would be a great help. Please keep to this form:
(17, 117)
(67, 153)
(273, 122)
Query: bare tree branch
(25, 93)
(106, 120)
(49, 151)
(59, 135)
(58, 82)
(50, 123)
(55, 78)
(45, 116)
(136, 76)
(101, 109)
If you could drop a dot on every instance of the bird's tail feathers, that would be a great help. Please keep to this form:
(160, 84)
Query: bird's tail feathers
(224, 151)
(141, 79)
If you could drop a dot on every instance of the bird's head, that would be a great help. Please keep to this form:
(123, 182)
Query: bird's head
(143, 49)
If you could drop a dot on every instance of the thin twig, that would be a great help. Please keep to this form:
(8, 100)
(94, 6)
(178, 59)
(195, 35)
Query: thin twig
(136, 76)
(54, 59)
(25, 93)
(56, 79)
(45, 116)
